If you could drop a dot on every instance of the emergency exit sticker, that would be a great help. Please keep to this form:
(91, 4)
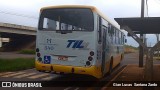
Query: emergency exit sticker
(47, 59)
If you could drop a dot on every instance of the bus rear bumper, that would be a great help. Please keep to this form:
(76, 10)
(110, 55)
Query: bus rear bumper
(92, 70)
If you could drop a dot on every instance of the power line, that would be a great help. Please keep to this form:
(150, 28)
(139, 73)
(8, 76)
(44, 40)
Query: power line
(16, 14)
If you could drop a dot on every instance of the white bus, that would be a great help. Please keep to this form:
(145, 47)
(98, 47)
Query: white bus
(77, 39)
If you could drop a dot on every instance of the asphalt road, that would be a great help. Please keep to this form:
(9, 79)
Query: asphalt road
(88, 82)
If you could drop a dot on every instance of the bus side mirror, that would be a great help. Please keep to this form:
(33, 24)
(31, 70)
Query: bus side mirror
(125, 40)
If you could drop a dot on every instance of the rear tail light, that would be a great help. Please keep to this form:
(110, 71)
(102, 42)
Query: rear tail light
(38, 54)
(90, 58)
(88, 63)
(37, 49)
(91, 53)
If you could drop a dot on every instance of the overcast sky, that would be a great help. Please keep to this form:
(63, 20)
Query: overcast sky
(26, 12)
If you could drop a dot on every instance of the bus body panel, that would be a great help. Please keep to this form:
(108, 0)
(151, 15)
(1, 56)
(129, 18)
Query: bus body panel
(57, 46)
(69, 52)
(92, 70)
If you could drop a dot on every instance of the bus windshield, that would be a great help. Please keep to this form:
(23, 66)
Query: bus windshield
(66, 19)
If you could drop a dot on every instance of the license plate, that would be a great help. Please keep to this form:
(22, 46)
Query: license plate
(62, 58)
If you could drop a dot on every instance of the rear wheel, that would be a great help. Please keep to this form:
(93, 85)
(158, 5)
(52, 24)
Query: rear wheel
(110, 66)
(121, 57)
(103, 64)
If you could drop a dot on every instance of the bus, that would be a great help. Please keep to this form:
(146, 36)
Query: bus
(77, 39)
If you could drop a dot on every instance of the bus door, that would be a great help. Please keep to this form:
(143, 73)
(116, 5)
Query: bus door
(104, 48)
(102, 42)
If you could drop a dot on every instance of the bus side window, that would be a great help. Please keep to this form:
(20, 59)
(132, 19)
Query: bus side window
(118, 37)
(115, 35)
(121, 38)
(109, 30)
(100, 31)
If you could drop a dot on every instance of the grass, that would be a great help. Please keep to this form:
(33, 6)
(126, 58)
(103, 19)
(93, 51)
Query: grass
(156, 58)
(127, 52)
(16, 64)
(130, 49)
(27, 51)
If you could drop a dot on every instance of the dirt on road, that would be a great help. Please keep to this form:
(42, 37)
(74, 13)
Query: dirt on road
(132, 75)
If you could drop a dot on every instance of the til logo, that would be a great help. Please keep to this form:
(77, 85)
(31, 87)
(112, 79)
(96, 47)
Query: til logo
(75, 44)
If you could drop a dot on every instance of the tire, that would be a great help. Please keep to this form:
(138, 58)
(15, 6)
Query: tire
(110, 66)
(121, 57)
(103, 64)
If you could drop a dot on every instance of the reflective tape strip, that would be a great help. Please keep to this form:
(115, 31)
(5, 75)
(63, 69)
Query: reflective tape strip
(16, 73)
(4, 73)
(24, 75)
(38, 76)
(47, 78)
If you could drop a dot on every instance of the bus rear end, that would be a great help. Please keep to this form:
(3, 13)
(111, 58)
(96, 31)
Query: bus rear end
(66, 41)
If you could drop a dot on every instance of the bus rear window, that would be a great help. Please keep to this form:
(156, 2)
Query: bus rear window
(66, 19)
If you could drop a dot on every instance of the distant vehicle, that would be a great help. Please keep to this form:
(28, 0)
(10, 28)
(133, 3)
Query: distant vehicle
(77, 39)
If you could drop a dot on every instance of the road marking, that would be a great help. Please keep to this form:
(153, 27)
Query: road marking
(47, 78)
(24, 75)
(38, 76)
(67, 88)
(4, 73)
(10, 75)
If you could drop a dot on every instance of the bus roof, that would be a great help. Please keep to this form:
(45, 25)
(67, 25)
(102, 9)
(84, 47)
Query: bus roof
(94, 9)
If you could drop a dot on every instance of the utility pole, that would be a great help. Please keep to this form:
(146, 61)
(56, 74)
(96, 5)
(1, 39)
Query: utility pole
(142, 8)
(141, 54)
(157, 54)
(148, 70)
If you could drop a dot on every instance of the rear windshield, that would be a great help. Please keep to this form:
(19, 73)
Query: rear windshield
(66, 19)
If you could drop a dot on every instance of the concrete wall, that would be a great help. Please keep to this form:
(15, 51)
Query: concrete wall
(18, 43)
(20, 36)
